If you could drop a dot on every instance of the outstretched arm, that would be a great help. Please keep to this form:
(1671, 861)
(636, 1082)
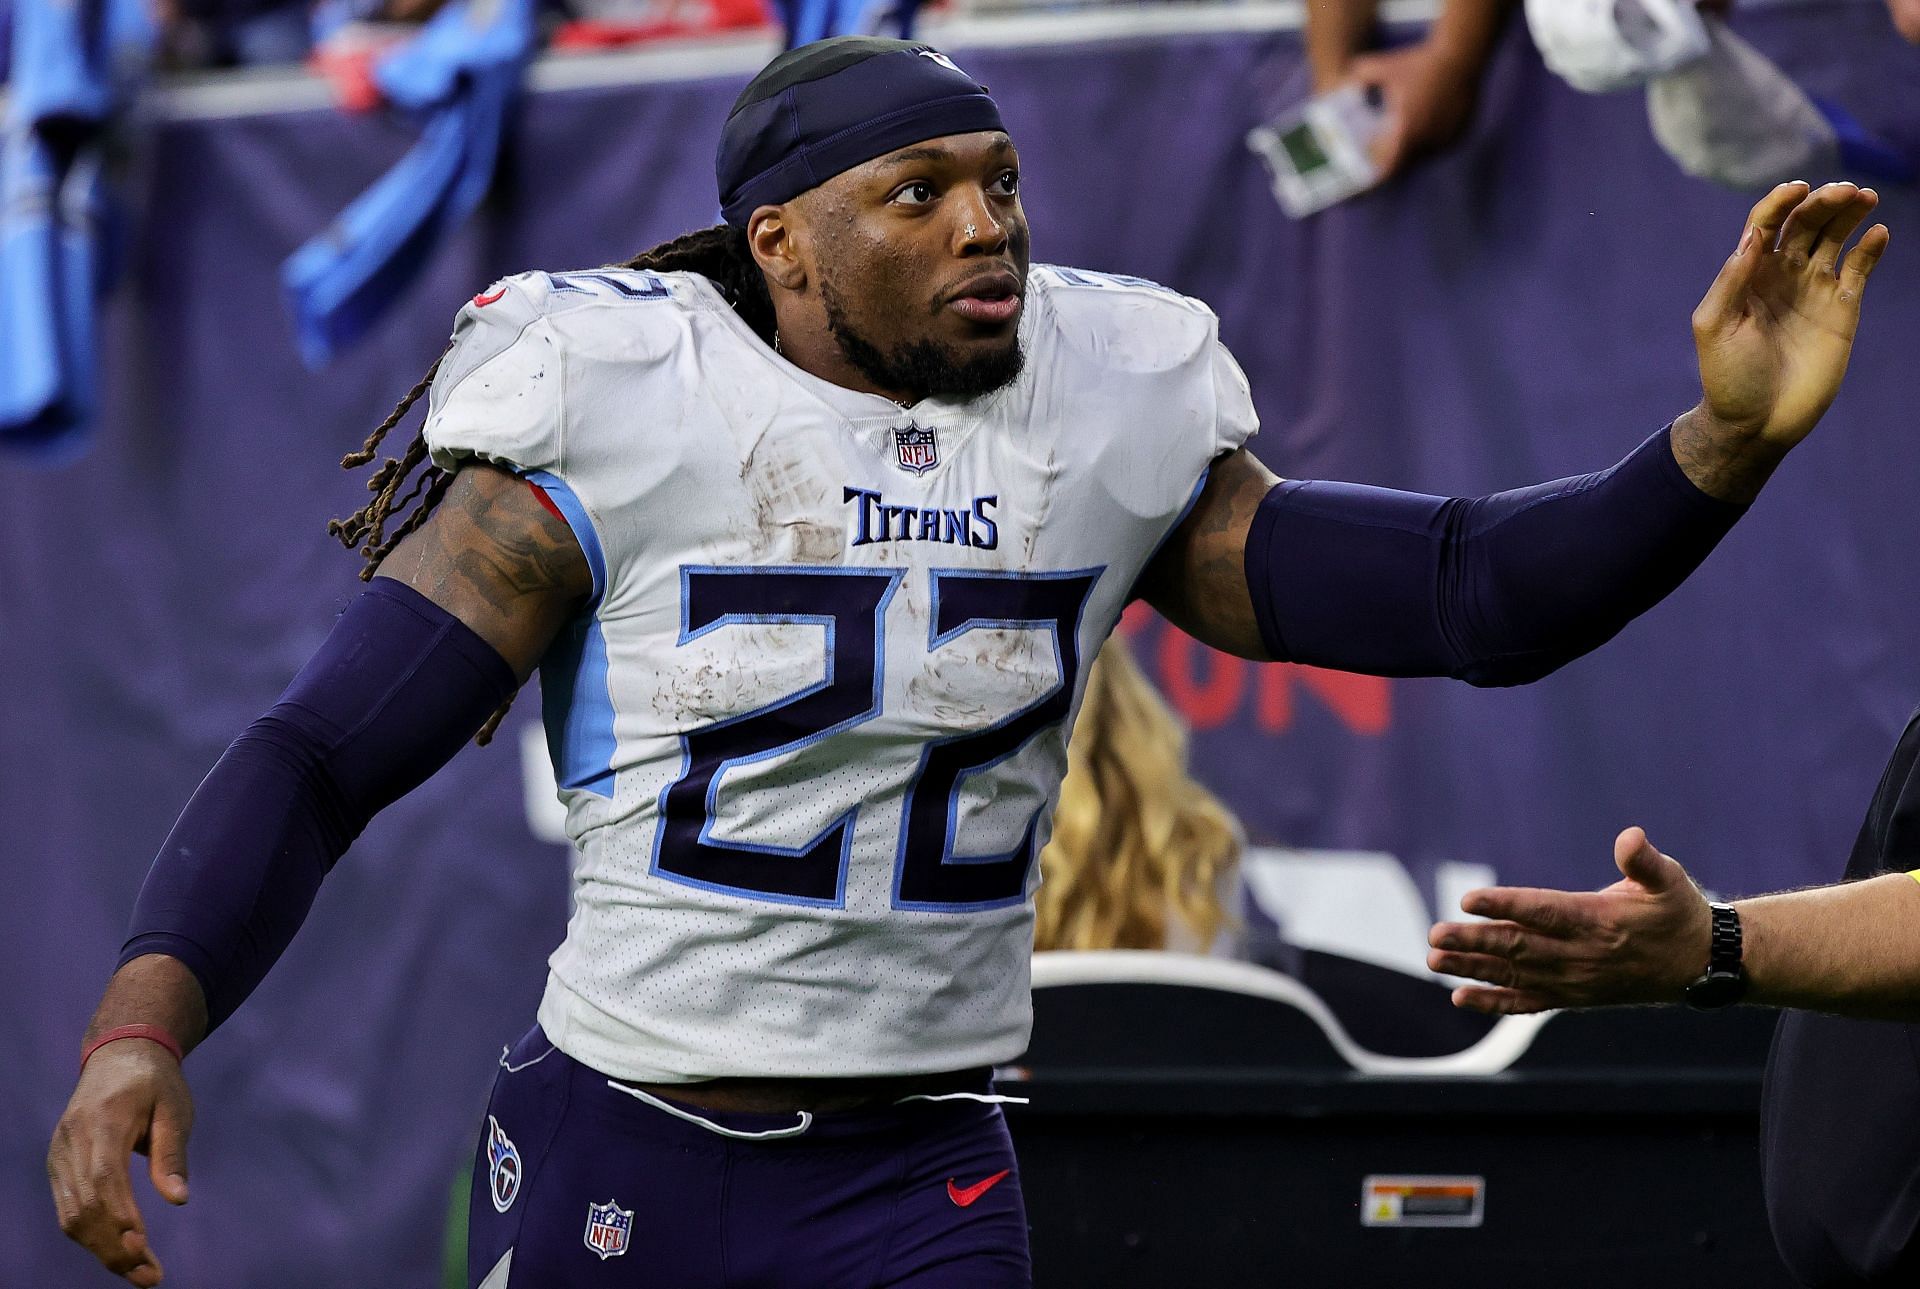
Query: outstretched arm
(1852, 949)
(1503, 589)
(461, 613)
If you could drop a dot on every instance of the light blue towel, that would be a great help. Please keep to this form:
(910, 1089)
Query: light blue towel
(463, 72)
(74, 66)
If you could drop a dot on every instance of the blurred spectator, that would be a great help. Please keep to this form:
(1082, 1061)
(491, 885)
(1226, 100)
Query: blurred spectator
(248, 33)
(414, 11)
(230, 33)
(1141, 853)
(610, 24)
(1428, 88)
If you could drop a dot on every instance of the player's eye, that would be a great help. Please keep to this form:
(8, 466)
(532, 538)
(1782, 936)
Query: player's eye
(1008, 184)
(917, 193)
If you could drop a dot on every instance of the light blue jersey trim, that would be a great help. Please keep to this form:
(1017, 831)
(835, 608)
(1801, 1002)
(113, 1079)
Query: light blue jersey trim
(1193, 499)
(582, 525)
(576, 702)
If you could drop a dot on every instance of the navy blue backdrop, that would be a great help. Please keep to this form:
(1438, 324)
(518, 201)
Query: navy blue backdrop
(1512, 312)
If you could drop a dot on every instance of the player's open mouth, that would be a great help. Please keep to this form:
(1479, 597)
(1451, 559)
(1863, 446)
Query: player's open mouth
(991, 298)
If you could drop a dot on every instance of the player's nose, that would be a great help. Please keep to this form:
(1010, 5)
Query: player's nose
(978, 230)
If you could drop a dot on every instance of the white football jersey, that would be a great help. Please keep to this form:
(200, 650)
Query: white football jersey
(810, 731)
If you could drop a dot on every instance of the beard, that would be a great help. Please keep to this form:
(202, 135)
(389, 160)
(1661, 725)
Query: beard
(924, 368)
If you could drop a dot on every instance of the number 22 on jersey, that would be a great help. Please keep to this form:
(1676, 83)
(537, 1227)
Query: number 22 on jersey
(850, 605)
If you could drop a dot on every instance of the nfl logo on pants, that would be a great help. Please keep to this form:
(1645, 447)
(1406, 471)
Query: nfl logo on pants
(608, 1226)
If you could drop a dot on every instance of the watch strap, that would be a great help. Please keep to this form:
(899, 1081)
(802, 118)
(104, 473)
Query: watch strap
(1724, 949)
(1724, 982)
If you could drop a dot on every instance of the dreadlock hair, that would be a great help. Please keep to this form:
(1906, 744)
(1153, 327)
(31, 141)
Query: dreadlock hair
(719, 253)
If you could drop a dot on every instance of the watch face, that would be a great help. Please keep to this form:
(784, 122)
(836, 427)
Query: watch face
(1716, 989)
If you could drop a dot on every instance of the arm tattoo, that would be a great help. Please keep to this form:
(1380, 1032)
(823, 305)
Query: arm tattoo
(1722, 461)
(516, 550)
(1198, 581)
(498, 560)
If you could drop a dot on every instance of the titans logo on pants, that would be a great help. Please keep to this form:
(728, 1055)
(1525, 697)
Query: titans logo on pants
(503, 1166)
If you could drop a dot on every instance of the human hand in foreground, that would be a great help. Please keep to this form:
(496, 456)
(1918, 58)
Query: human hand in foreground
(1641, 940)
(1774, 333)
(1428, 92)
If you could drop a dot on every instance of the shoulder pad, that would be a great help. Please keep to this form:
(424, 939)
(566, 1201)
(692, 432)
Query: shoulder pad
(1126, 323)
(489, 324)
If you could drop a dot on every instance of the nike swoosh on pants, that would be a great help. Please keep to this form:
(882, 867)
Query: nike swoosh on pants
(965, 1195)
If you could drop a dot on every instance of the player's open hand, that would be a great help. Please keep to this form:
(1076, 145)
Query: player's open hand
(1776, 327)
(131, 1097)
(1641, 940)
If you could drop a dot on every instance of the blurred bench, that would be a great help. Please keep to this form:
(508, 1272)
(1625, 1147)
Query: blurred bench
(1195, 1121)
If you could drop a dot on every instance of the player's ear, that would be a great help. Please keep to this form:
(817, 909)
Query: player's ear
(771, 235)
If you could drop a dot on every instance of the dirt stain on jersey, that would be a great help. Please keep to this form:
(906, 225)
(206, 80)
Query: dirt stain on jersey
(795, 515)
(981, 678)
(936, 701)
(710, 685)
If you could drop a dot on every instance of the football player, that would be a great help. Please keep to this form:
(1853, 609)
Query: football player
(812, 523)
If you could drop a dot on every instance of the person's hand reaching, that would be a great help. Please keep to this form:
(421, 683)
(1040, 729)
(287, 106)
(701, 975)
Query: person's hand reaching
(1641, 940)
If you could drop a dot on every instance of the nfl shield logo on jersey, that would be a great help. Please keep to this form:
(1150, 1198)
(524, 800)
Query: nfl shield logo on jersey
(503, 1166)
(916, 449)
(608, 1226)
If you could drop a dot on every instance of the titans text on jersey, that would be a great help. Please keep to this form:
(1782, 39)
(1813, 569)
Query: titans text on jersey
(810, 728)
(883, 521)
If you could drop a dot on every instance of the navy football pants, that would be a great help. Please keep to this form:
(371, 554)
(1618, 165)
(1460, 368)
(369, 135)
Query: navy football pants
(581, 1185)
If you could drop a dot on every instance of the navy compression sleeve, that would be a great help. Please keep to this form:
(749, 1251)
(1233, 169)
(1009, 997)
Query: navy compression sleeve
(398, 687)
(1495, 590)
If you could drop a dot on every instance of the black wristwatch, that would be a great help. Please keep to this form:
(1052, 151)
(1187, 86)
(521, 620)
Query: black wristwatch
(1725, 980)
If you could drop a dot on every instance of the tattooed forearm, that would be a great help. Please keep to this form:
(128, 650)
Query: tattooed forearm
(1199, 581)
(499, 561)
(1724, 461)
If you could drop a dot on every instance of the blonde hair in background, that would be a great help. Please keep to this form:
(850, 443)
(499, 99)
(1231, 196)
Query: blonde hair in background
(1136, 842)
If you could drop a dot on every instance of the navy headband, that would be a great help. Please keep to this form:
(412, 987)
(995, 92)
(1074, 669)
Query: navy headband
(826, 107)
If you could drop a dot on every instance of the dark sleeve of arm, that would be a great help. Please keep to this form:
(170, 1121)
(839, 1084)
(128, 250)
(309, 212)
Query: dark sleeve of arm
(398, 687)
(1495, 590)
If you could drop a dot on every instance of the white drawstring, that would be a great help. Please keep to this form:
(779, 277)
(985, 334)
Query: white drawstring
(515, 1069)
(767, 1134)
(986, 1098)
(806, 1119)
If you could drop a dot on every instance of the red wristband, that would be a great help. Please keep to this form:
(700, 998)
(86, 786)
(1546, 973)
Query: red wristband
(152, 1033)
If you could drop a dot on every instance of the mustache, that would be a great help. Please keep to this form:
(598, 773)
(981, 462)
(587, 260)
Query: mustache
(925, 368)
(1013, 263)
(1001, 282)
